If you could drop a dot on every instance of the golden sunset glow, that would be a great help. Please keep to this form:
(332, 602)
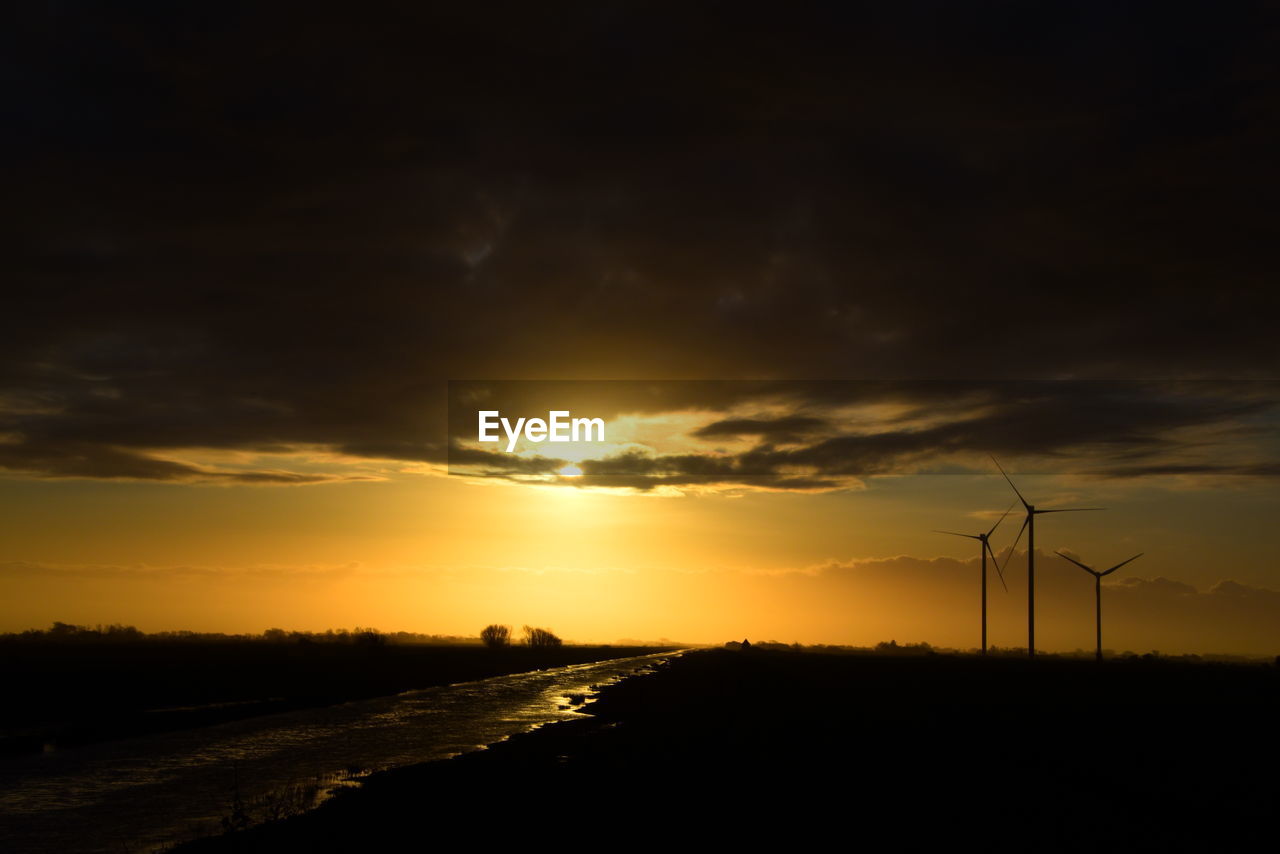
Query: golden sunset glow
(681, 353)
(447, 554)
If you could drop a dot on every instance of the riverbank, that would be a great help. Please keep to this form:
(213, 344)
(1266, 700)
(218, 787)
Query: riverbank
(151, 687)
(802, 748)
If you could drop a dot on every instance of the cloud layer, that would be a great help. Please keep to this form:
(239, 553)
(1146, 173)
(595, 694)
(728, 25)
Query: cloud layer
(827, 435)
(253, 231)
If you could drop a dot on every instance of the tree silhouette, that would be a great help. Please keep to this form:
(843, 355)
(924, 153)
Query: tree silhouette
(540, 638)
(496, 636)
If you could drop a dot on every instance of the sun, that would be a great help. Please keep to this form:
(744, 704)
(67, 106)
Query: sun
(570, 471)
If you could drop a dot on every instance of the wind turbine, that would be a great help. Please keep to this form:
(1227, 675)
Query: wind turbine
(1097, 587)
(986, 548)
(1029, 525)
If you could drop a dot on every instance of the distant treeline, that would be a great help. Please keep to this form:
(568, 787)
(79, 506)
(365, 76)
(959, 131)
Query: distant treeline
(892, 647)
(882, 648)
(116, 633)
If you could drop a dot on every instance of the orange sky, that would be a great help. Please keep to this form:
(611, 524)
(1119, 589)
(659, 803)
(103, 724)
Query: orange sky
(447, 554)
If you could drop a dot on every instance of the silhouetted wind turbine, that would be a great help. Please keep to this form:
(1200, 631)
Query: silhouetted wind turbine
(1097, 587)
(1029, 525)
(986, 547)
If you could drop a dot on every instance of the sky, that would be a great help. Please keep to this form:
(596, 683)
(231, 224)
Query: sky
(813, 267)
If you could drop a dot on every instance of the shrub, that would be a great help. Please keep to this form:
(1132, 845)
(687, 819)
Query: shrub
(542, 638)
(496, 636)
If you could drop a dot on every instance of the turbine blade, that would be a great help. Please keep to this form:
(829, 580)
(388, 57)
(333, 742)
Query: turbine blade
(987, 546)
(1025, 522)
(954, 534)
(1015, 489)
(1070, 510)
(1001, 519)
(1077, 563)
(1117, 566)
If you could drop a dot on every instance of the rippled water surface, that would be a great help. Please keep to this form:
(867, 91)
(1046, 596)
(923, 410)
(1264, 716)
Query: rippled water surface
(143, 793)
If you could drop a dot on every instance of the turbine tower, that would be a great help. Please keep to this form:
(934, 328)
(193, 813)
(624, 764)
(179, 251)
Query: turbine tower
(1097, 588)
(1029, 525)
(985, 549)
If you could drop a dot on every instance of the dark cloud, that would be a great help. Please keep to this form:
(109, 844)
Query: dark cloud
(232, 227)
(493, 462)
(609, 477)
(93, 460)
(773, 430)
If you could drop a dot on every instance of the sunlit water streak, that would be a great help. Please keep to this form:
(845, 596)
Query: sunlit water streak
(144, 793)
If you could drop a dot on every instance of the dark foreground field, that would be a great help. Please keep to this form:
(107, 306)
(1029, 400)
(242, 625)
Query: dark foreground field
(63, 695)
(800, 749)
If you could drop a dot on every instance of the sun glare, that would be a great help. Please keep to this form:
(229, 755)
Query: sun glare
(570, 471)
